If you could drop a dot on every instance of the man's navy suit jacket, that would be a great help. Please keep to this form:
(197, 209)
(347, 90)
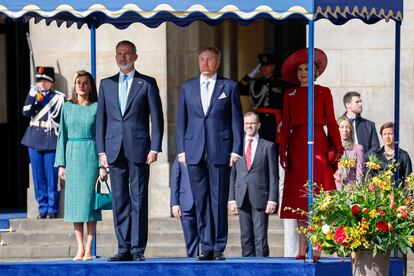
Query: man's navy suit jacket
(132, 129)
(181, 194)
(219, 132)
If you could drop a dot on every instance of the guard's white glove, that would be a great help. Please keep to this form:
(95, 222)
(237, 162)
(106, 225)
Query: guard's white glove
(253, 73)
(33, 91)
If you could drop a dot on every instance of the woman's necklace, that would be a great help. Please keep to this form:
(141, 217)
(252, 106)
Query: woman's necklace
(389, 155)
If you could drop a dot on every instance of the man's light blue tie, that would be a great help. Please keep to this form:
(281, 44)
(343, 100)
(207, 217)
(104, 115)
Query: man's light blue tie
(123, 93)
(205, 101)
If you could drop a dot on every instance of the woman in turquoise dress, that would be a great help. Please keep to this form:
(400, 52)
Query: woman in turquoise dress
(77, 160)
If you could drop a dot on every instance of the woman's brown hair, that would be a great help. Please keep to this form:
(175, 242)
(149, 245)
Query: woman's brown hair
(93, 94)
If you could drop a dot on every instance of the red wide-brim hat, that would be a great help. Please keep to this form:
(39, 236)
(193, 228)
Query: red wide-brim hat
(290, 65)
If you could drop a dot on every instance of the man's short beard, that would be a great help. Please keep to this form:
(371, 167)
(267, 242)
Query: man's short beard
(125, 67)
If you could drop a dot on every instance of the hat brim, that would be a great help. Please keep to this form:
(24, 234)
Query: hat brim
(290, 65)
(43, 77)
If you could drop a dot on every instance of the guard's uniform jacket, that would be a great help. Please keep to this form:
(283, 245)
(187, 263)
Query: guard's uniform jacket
(266, 95)
(40, 138)
(42, 135)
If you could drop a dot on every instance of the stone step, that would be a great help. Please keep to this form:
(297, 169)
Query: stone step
(43, 238)
(154, 224)
(68, 251)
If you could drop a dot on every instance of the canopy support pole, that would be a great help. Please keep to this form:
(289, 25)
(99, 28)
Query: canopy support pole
(310, 124)
(397, 92)
(93, 72)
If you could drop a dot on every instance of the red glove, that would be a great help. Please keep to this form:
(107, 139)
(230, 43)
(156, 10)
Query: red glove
(283, 159)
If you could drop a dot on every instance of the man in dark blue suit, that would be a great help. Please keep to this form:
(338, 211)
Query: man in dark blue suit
(182, 207)
(210, 140)
(126, 102)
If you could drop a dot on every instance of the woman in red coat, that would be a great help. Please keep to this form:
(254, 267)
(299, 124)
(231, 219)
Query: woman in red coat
(294, 134)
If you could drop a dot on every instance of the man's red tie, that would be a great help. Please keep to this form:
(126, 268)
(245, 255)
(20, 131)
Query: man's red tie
(248, 154)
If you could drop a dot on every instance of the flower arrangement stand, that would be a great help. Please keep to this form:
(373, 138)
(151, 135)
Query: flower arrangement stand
(365, 264)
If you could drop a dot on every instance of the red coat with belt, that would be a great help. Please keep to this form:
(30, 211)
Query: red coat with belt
(293, 142)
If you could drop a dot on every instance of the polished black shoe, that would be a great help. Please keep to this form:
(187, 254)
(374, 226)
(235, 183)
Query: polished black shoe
(41, 216)
(219, 256)
(206, 256)
(138, 257)
(52, 216)
(121, 257)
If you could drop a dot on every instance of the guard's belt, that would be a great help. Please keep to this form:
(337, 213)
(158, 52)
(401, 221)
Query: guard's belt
(41, 124)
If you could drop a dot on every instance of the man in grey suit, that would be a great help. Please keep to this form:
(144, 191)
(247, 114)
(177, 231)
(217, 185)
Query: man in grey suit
(254, 189)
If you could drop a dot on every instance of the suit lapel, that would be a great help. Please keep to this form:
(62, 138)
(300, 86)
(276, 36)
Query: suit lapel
(135, 88)
(258, 152)
(114, 92)
(218, 88)
(196, 95)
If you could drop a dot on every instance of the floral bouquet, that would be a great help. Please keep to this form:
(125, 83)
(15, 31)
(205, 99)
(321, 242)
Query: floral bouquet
(376, 213)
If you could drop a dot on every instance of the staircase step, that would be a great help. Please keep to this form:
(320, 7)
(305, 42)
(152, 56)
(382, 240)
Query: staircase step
(43, 238)
(153, 251)
(154, 224)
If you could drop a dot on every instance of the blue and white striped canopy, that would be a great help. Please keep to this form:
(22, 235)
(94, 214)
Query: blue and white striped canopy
(122, 13)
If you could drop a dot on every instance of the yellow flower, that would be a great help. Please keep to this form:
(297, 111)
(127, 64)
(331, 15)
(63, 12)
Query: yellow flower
(372, 213)
(372, 165)
(411, 240)
(347, 163)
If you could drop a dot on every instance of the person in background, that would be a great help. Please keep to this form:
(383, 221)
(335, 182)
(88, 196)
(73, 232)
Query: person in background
(43, 105)
(293, 138)
(266, 93)
(365, 133)
(78, 162)
(386, 154)
(254, 188)
(352, 151)
(182, 207)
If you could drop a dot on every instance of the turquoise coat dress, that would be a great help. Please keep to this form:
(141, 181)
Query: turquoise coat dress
(76, 151)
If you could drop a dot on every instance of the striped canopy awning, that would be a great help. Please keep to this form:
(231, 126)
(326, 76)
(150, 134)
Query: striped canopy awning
(122, 13)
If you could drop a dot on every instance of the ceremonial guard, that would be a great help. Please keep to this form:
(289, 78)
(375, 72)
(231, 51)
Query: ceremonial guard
(266, 94)
(43, 106)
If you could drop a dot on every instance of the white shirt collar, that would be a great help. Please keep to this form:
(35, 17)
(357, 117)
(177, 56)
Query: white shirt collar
(130, 75)
(255, 138)
(211, 80)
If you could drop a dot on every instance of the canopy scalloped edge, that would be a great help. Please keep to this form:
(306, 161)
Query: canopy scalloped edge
(160, 8)
(347, 12)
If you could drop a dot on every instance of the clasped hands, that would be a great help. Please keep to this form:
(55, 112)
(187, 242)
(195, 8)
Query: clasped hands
(270, 208)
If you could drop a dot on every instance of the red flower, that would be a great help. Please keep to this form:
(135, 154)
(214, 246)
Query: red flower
(310, 230)
(355, 209)
(382, 213)
(382, 226)
(391, 227)
(340, 235)
(403, 211)
(364, 210)
(371, 187)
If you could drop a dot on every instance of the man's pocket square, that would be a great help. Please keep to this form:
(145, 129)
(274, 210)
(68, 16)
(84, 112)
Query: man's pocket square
(222, 96)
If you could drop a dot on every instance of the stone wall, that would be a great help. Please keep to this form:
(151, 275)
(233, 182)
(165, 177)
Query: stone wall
(361, 58)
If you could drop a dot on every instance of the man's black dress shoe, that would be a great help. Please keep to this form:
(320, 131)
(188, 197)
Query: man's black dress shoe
(138, 257)
(41, 216)
(206, 256)
(219, 256)
(52, 216)
(121, 257)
